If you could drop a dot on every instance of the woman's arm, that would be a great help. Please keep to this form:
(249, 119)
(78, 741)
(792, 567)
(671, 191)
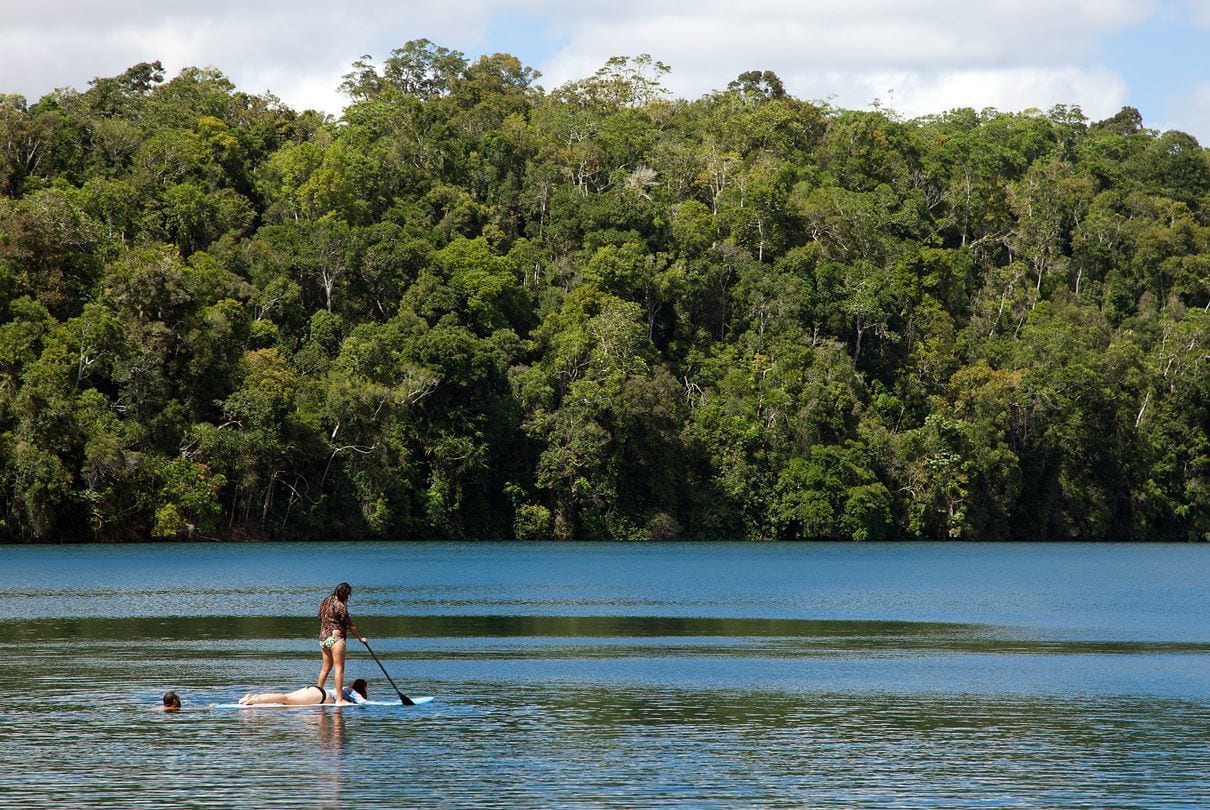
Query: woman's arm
(347, 622)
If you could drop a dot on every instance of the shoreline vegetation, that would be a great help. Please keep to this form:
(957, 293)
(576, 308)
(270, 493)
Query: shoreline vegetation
(473, 307)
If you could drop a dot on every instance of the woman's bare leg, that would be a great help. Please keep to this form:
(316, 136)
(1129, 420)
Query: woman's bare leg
(307, 696)
(265, 697)
(338, 664)
(326, 667)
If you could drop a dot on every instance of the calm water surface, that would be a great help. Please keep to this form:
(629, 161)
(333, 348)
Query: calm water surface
(701, 675)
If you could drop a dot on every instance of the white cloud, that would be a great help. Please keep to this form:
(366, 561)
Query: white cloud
(848, 34)
(933, 54)
(1099, 93)
(1193, 116)
(297, 49)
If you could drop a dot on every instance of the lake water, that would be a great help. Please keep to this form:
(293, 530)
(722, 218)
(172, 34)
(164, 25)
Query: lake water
(699, 675)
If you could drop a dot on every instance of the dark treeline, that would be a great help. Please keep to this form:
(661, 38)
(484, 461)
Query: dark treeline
(475, 308)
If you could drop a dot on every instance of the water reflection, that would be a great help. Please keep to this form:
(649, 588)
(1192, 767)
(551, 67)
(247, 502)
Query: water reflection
(331, 735)
(542, 634)
(331, 731)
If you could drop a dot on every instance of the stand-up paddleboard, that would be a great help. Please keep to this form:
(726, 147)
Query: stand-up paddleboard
(416, 701)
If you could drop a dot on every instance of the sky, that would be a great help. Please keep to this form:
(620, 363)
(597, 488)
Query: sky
(916, 57)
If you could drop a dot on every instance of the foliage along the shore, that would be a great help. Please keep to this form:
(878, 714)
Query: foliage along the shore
(475, 308)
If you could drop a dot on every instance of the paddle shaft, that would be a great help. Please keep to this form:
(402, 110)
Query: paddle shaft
(404, 699)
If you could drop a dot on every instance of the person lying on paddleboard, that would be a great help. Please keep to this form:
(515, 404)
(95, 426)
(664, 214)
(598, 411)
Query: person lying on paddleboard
(334, 625)
(309, 696)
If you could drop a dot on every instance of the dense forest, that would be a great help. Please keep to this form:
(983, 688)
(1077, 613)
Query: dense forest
(475, 308)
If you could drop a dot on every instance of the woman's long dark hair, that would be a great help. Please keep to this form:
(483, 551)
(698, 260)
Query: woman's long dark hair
(343, 591)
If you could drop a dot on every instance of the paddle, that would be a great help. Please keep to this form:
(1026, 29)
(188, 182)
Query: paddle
(404, 699)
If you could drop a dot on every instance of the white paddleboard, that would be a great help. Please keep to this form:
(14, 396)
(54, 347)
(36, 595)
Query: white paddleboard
(416, 701)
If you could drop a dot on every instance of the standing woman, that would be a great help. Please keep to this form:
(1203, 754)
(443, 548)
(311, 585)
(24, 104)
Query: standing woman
(334, 625)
